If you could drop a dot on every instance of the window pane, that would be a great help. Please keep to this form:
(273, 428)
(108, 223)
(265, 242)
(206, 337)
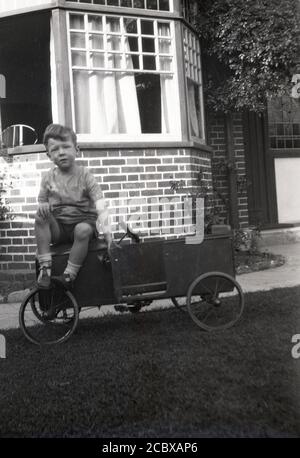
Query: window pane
(126, 3)
(113, 24)
(152, 4)
(79, 58)
(130, 25)
(194, 109)
(149, 99)
(132, 61)
(81, 93)
(96, 41)
(99, 2)
(149, 63)
(165, 64)
(139, 3)
(113, 43)
(77, 21)
(163, 29)
(114, 61)
(77, 40)
(133, 43)
(113, 2)
(95, 23)
(147, 27)
(148, 45)
(97, 60)
(164, 46)
(164, 5)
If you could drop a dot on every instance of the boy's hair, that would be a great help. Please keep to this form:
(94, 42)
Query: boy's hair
(59, 132)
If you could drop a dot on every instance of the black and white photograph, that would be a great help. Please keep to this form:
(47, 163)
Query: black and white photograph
(149, 223)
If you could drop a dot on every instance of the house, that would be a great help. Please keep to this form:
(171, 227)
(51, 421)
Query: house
(126, 74)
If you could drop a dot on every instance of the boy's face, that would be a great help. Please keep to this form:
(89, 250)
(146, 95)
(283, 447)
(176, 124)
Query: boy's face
(62, 153)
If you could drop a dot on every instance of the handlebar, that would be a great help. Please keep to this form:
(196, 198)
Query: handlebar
(129, 232)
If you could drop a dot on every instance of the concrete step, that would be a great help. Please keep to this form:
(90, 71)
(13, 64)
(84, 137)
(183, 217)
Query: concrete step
(281, 236)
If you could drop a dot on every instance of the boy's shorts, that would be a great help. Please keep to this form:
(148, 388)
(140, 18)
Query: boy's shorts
(67, 231)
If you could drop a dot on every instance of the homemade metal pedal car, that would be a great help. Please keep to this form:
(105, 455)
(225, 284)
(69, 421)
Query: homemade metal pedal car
(199, 277)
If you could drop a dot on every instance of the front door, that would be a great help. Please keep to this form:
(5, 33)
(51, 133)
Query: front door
(272, 150)
(258, 169)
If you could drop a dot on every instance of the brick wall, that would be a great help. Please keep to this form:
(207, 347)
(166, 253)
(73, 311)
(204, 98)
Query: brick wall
(142, 176)
(217, 139)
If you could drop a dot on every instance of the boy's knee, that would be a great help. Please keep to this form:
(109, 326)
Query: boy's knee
(82, 231)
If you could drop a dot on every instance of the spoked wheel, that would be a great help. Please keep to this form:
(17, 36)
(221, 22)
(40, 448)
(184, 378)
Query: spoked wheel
(220, 304)
(49, 316)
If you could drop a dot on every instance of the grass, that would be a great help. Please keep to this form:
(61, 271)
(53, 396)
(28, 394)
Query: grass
(157, 374)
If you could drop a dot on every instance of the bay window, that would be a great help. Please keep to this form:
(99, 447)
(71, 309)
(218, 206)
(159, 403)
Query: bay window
(111, 73)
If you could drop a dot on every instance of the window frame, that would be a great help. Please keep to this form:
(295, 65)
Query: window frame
(105, 5)
(121, 137)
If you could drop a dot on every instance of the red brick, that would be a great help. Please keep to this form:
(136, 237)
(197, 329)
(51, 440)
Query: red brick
(167, 168)
(17, 233)
(134, 169)
(98, 170)
(114, 178)
(18, 249)
(5, 241)
(107, 162)
(149, 161)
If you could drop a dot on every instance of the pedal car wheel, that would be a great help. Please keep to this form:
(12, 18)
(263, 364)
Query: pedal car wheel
(49, 316)
(221, 301)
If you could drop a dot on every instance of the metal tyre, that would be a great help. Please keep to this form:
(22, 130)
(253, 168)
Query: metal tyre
(220, 304)
(49, 316)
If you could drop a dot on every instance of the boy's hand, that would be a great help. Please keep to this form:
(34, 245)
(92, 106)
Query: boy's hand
(44, 210)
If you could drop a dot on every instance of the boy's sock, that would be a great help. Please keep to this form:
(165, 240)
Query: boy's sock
(72, 270)
(45, 260)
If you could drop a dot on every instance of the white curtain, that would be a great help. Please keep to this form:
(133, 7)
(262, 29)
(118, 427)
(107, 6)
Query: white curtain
(106, 102)
(54, 101)
(168, 111)
(192, 110)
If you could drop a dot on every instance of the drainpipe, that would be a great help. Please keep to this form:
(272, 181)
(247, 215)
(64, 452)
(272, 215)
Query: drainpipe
(232, 175)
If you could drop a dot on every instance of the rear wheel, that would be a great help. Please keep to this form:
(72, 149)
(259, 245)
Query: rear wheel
(220, 303)
(49, 316)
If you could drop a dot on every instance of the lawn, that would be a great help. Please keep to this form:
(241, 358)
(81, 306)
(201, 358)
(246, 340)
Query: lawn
(157, 374)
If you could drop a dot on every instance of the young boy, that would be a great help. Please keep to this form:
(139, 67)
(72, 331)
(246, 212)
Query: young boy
(71, 206)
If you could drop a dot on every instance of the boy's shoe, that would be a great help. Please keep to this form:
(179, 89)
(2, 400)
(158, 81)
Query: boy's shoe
(65, 280)
(44, 280)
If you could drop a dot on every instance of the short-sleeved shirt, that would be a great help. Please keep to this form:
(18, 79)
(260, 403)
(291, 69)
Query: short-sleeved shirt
(72, 196)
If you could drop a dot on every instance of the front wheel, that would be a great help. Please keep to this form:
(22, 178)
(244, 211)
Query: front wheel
(49, 316)
(220, 304)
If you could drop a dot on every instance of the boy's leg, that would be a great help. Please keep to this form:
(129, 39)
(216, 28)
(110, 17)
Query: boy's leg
(46, 231)
(83, 232)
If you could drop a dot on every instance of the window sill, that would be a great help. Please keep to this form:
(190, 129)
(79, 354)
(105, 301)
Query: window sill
(40, 148)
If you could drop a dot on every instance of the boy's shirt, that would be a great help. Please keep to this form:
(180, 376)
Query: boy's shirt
(71, 197)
